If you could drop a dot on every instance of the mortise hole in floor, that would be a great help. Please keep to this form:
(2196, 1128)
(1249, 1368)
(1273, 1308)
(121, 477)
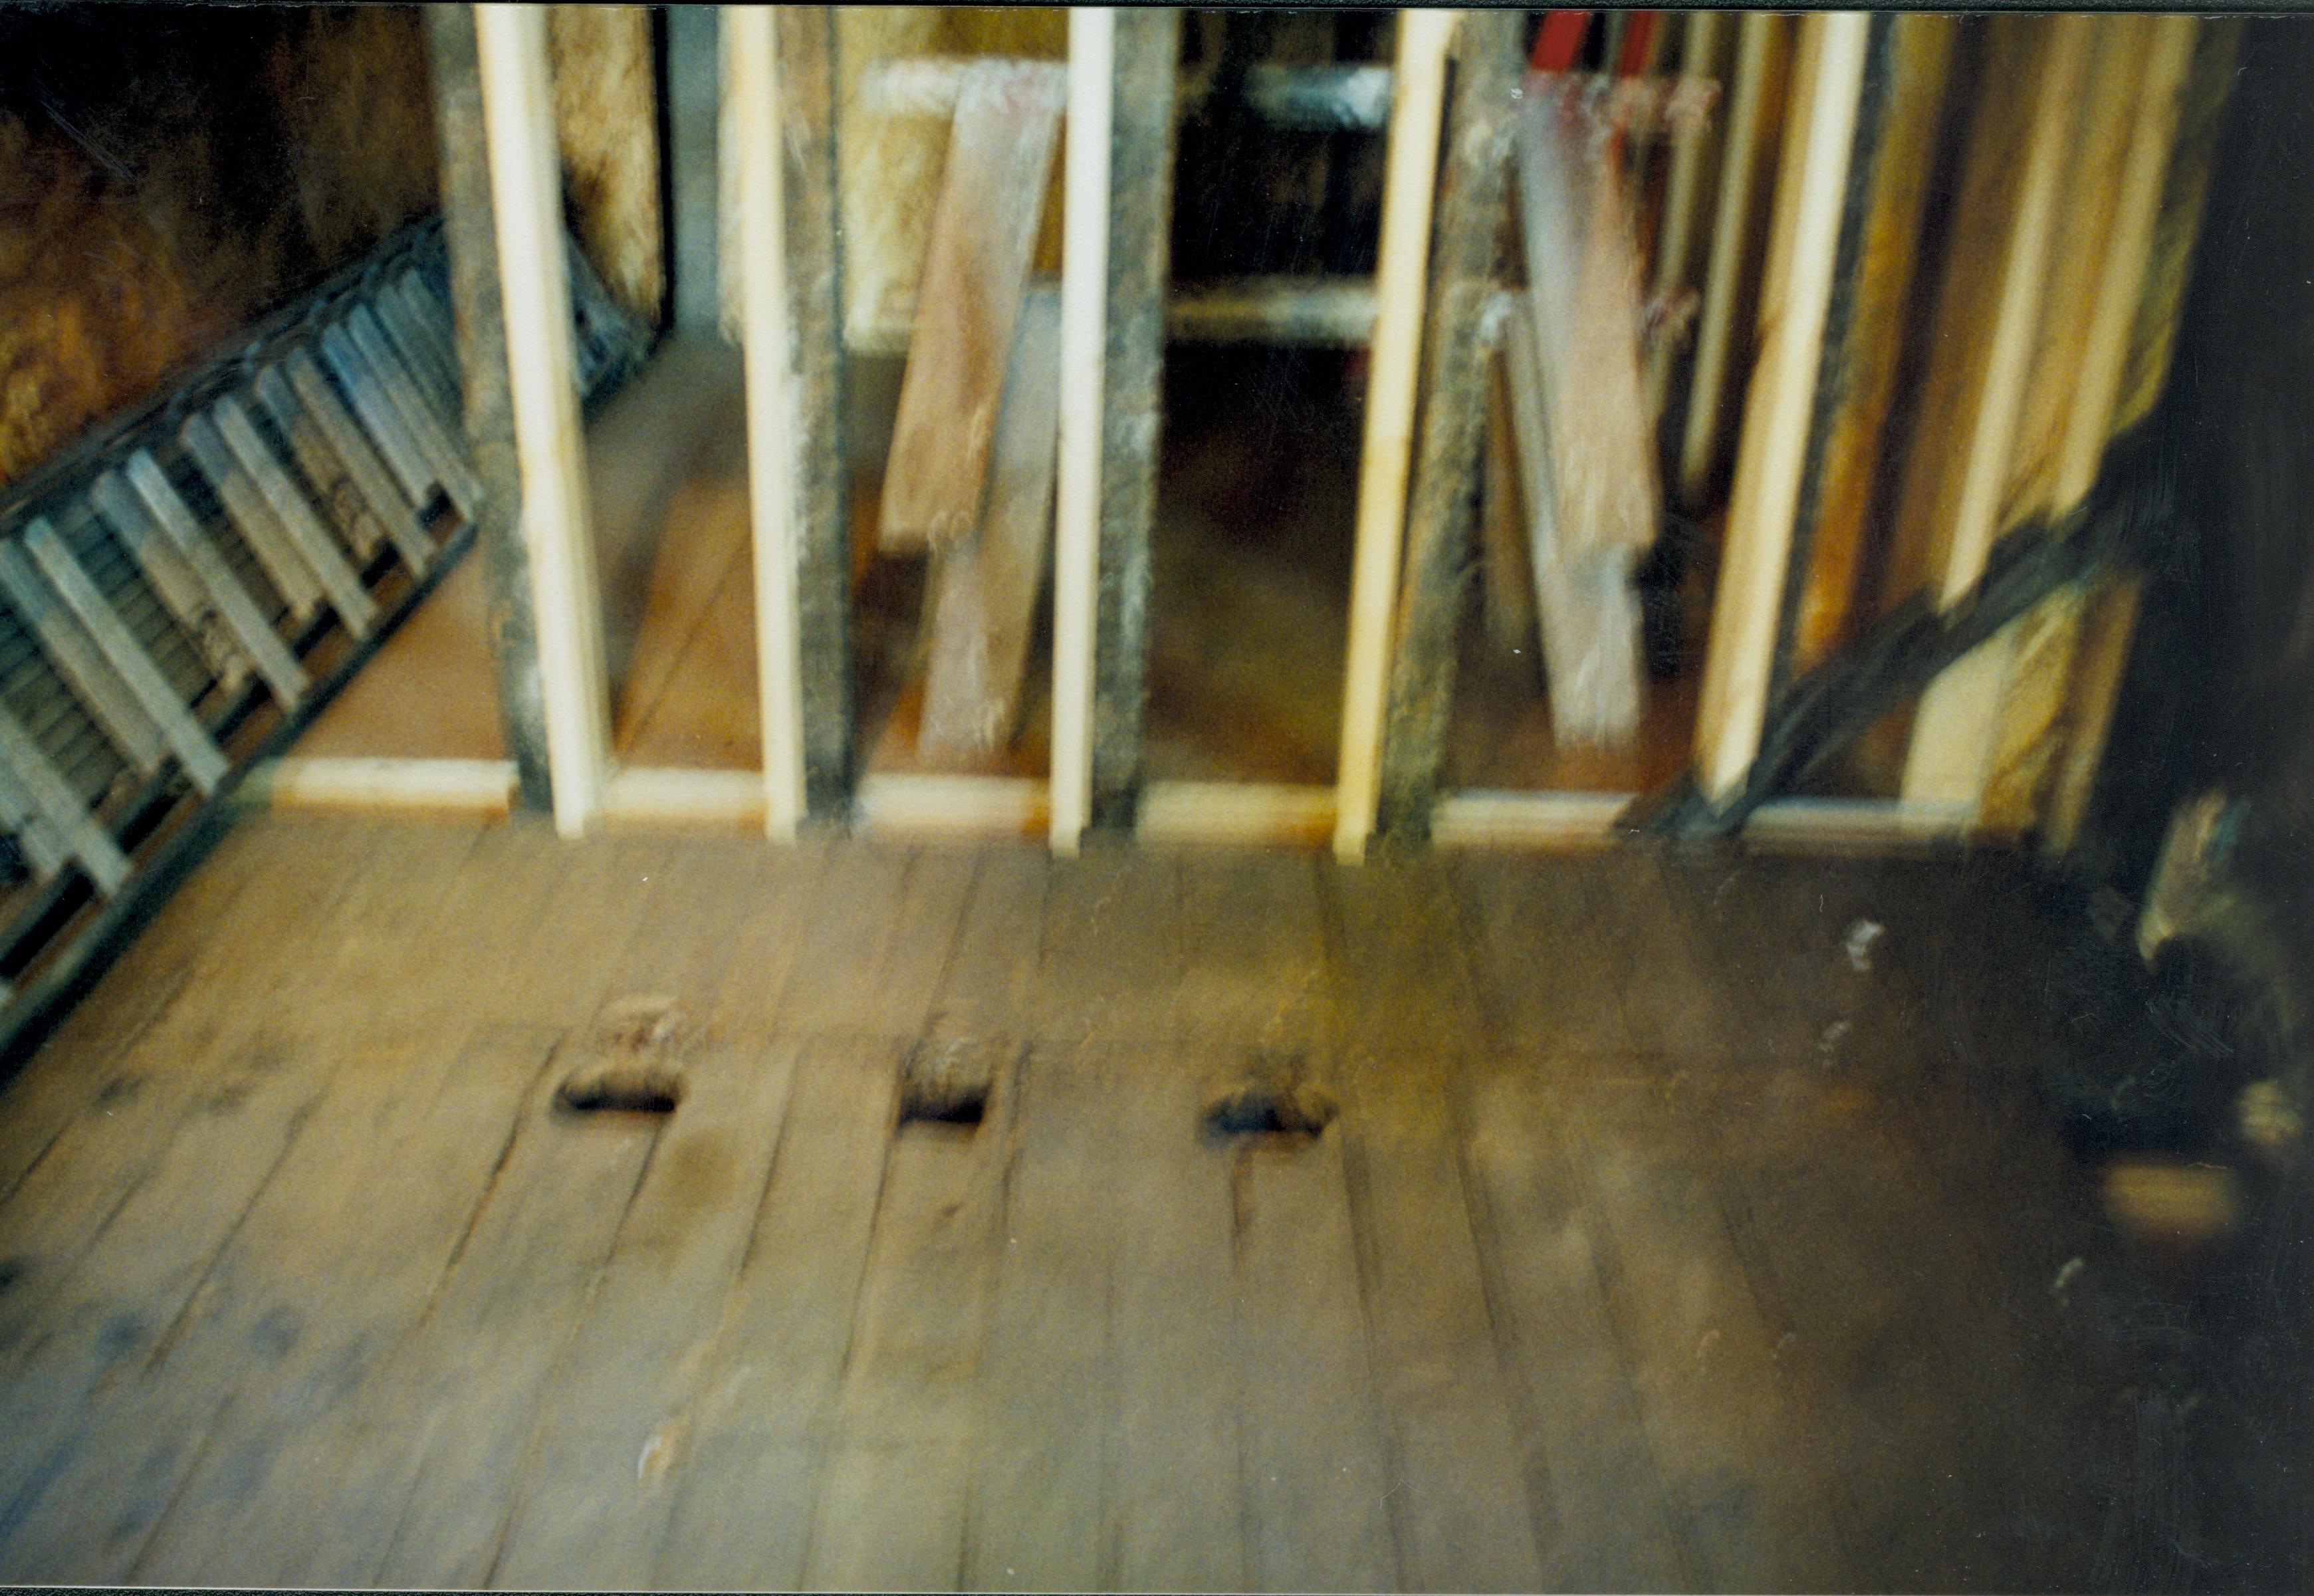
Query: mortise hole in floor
(948, 1083)
(1273, 1097)
(621, 1088)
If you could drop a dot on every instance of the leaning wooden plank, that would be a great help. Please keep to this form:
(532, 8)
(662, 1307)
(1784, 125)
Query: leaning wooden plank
(76, 658)
(1675, 243)
(1410, 162)
(985, 588)
(1582, 294)
(1461, 317)
(2050, 725)
(1749, 604)
(227, 598)
(1587, 617)
(1853, 448)
(975, 270)
(1947, 762)
(187, 740)
(1749, 119)
(1506, 579)
(306, 535)
(254, 517)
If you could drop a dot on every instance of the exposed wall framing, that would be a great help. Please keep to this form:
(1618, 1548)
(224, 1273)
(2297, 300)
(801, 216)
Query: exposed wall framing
(1896, 238)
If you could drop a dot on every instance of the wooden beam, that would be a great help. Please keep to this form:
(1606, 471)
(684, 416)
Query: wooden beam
(534, 289)
(1147, 50)
(817, 450)
(751, 86)
(1946, 764)
(1085, 280)
(1454, 387)
(1880, 295)
(2060, 692)
(478, 787)
(1235, 813)
(976, 272)
(1776, 422)
(1699, 51)
(952, 808)
(1749, 118)
(693, 53)
(1410, 167)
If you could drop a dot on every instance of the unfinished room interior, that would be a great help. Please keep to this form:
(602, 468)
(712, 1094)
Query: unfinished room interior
(1157, 798)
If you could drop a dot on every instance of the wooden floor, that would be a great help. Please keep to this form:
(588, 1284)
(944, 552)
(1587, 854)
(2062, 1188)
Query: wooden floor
(1676, 1231)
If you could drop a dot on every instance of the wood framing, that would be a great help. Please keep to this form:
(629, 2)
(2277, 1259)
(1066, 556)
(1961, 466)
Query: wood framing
(1683, 190)
(481, 788)
(1776, 421)
(533, 280)
(1241, 814)
(1084, 281)
(1410, 167)
(1947, 762)
(470, 234)
(1456, 377)
(1750, 117)
(751, 87)
(818, 453)
(1147, 49)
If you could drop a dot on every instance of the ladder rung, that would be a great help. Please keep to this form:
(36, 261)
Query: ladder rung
(434, 441)
(379, 417)
(192, 745)
(172, 576)
(252, 517)
(403, 338)
(76, 659)
(302, 403)
(231, 600)
(307, 535)
(56, 803)
(432, 319)
(36, 840)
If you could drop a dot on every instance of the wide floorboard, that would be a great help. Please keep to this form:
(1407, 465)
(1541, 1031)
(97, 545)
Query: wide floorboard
(1675, 1229)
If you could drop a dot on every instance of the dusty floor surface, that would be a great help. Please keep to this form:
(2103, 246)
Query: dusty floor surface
(1670, 1230)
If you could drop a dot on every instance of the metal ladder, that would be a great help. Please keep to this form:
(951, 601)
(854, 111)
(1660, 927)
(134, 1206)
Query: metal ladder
(182, 570)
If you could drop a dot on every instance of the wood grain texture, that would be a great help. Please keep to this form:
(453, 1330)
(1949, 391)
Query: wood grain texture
(985, 584)
(1607, 1276)
(1455, 382)
(1147, 46)
(976, 270)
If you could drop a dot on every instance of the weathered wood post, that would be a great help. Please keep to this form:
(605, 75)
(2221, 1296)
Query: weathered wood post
(469, 231)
